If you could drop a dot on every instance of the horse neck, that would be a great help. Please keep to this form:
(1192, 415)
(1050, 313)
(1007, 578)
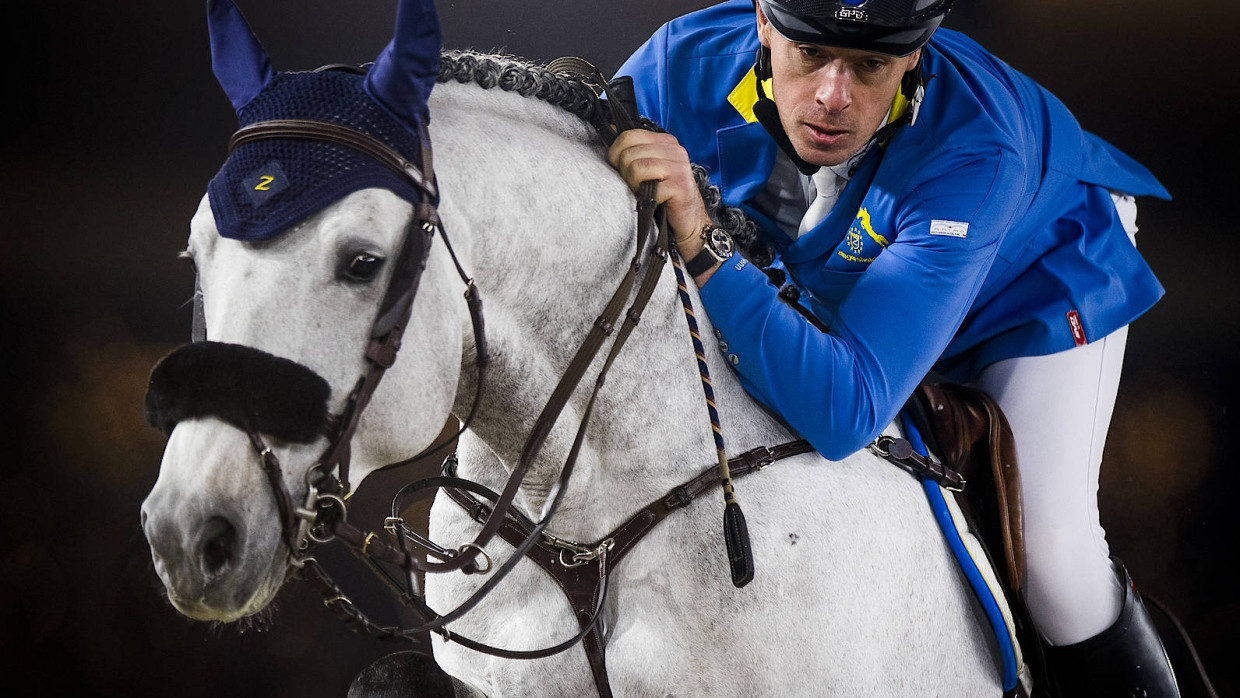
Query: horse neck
(546, 276)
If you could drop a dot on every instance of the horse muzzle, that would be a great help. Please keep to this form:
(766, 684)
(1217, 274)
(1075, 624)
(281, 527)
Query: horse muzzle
(214, 563)
(201, 543)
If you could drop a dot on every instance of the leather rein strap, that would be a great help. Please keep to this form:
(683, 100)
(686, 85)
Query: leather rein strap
(607, 323)
(581, 570)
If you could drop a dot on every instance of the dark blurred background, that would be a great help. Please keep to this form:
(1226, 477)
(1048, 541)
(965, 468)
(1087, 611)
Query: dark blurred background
(115, 125)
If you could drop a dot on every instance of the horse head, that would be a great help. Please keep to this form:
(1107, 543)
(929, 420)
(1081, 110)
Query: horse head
(336, 239)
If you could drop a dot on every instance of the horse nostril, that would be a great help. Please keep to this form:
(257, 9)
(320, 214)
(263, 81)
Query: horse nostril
(218, 537)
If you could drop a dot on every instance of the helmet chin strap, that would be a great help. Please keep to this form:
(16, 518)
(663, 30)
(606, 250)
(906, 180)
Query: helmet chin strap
(768, 114)
(911, 86)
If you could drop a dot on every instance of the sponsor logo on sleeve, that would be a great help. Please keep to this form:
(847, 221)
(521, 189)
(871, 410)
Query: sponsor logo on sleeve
(955, 229)
(861, 244)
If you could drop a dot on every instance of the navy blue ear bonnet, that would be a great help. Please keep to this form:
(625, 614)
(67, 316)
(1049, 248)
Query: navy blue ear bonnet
(267, 186)
(271, 184)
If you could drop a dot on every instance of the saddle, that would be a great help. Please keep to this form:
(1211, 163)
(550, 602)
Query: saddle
(966, 429)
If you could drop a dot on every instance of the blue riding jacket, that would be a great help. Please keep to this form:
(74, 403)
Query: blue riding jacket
(983, 231)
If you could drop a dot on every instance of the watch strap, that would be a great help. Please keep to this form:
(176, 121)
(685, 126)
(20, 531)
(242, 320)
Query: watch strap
(716, 246)
(701, 262)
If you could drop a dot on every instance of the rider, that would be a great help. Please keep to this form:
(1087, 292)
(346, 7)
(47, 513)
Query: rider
(938, 212)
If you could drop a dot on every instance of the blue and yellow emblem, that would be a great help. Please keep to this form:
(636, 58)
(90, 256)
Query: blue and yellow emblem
(861, 243)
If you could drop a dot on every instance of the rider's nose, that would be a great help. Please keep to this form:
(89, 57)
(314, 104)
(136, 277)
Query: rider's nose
(834, 89)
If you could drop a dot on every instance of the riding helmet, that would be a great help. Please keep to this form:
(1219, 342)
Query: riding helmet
(891, 27)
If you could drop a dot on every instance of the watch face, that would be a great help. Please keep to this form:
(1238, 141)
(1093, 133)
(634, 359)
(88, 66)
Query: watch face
(719, 242)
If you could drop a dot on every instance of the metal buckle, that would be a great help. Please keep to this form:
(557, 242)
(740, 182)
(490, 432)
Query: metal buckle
(479, 570)
(891, 447)
(580, 554)
(767, 459)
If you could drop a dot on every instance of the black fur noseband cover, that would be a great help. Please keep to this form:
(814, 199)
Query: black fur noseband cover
(243, 386)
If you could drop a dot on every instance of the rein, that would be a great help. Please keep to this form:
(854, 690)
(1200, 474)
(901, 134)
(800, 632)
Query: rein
(581, 571)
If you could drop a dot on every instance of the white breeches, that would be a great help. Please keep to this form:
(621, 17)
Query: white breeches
(1059, 407)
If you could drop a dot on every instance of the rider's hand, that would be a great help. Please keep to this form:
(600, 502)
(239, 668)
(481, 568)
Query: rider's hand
(641, 155)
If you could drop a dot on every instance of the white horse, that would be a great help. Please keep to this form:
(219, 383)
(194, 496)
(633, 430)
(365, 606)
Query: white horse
(855, 592)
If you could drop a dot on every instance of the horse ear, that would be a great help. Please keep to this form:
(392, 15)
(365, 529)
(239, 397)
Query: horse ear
(403, 75)
(237, 58)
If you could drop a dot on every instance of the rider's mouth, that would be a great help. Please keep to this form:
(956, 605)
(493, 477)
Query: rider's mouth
(825, 137)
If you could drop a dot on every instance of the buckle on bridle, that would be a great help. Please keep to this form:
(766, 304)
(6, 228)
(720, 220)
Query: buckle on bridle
(755, 459)
(317, 518)
(766, 460)
(481, 551)
(574, 555)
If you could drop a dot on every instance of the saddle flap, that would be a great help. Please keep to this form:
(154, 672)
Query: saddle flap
(972, 436)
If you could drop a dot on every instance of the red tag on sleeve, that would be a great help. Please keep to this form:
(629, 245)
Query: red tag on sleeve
(1078, 330)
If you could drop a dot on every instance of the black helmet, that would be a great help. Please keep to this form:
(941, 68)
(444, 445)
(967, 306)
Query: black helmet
(892, 27)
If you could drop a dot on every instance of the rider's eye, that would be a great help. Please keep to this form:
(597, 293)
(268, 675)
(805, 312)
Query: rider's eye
(362, 266)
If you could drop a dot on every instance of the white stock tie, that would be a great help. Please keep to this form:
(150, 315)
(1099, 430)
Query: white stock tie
(828, 186)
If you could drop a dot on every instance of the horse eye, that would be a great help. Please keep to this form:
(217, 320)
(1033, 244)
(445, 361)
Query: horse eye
(364, 266)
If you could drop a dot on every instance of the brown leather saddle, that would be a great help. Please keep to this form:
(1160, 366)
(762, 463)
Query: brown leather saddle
(965, 428)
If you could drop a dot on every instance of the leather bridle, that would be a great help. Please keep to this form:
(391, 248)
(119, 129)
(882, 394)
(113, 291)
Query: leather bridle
(327, 481)
(322, 515)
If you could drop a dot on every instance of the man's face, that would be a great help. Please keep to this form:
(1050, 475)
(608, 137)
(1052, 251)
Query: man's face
(831, 100)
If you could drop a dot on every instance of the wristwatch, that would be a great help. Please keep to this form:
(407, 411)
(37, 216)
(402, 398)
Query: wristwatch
(717, 246)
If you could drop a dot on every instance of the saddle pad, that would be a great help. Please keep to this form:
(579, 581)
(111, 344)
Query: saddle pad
(977, 569)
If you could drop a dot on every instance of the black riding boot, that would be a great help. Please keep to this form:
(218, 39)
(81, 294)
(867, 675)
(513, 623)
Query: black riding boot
(1127, 660)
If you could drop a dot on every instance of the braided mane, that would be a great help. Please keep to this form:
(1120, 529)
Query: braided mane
(572, 94)
(513, 74)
